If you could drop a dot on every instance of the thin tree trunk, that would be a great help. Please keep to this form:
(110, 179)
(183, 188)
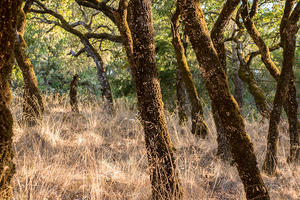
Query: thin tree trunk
(288, 39)
(199, 126)
(73, 94)
(238, 84)
(180, 92)
(247, 77)
(294, 124)
(218, 88)
(8, 22)
(274, 71)
(33, 106)
(101, 73)
(140, 48)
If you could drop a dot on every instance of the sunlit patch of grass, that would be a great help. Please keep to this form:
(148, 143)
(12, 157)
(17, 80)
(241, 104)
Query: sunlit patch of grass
(94, 156)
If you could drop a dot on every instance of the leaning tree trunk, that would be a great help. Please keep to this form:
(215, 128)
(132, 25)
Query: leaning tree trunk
(199, 126)
(101, 72)
(218, 88)
(288, 38)
(33, 107)
(218, 40)
(247, 77)
(139, 44)
(180, 92)
(8, 12)
(289, 106)
(73, 94)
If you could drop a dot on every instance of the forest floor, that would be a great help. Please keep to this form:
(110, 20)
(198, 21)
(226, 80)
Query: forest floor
(96, 157)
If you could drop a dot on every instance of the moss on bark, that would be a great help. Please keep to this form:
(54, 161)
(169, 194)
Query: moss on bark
(8, 22)
(284, 86)
(139, 44)
(218, 88)
(33, 107)
(199, 126)
(289, 16)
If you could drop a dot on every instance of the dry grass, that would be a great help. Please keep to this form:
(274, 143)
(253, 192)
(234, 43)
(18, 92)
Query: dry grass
(95, 156)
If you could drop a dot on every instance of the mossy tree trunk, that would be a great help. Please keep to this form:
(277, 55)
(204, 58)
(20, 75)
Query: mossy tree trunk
(288, 39)
(218, 88)
(73, 94)
(33, 106)
(289, 103)
(180, 93)
(8, 11)
(139, 44)
(217, 37)
(247, 77)
(199, 126)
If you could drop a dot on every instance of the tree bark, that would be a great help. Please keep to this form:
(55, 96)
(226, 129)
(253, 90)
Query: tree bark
(238, 84)
(101, 74)
(33, 106)
(180, 92)
(140, 48)
(217, 36)
(288, 105)
(218, 88)
(199, 126)
(288, 39)
(73, 94)
(8, 22)
(223, 150)
(247, 77)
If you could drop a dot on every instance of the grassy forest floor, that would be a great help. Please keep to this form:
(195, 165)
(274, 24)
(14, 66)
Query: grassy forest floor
(97, 157)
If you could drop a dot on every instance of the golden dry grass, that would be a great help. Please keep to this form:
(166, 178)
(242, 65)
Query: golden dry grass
(94, 156)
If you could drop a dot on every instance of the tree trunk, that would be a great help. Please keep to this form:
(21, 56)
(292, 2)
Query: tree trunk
(217, 37)
(294, 124)
(101, 73)
(199, 126)
(218, 88)
(238, 84)
(8, 12)
(180, 92)
(272, 68)
(33, 106)
(284, 84)
(140, 48)
(73, 94)
(223, 151)
(247, 76)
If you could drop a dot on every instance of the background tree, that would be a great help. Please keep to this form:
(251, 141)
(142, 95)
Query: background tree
(88, 47)
(73, 94)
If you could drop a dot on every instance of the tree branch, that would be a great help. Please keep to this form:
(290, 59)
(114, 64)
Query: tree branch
(100, 6)
(78, 53)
